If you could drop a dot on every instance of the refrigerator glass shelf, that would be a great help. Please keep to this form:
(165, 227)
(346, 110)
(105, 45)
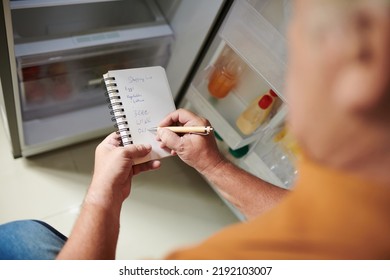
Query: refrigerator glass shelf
(82, 44)
(30, 23)
(257, 42)
(90, 22)
(256, 166)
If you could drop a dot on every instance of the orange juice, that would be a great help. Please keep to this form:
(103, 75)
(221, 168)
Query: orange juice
(225, 76)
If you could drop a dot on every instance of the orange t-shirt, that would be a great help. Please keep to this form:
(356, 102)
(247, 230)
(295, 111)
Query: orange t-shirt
(328, 215)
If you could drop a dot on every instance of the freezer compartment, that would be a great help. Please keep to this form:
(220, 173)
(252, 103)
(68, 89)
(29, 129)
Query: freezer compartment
(37, 19)
(254, 30)
(73, 81)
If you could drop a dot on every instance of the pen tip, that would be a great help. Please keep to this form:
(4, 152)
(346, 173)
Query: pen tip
(152, 129)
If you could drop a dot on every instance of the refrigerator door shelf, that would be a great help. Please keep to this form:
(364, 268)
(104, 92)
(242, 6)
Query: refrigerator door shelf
(279, 152)
(221, 116)
(249, 84)
(258, 42)
(278, 171)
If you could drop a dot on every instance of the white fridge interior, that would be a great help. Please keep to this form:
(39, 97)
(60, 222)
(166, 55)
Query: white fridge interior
(253, 35)
(60, 49)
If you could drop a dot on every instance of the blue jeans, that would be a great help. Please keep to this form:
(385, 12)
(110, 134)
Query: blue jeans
(29, 240)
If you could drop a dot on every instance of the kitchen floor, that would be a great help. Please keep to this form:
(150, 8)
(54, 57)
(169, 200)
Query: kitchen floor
(167, 209)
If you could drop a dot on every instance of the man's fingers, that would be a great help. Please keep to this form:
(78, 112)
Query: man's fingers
(112, 139)
(146, 166)
(168, 138)
(137, 151)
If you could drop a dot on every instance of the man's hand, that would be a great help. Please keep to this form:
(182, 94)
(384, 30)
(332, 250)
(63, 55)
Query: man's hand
(198, 151)
(114, 169)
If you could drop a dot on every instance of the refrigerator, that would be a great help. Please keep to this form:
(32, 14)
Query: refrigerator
(221, 58)
(54, 53)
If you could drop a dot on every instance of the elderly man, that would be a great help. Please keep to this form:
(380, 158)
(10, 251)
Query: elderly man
(338, 91)
(339, 98)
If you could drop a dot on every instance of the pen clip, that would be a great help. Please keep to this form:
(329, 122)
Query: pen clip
(207, 131)
(200, 133)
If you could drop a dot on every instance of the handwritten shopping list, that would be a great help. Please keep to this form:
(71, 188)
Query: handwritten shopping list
(147, 99)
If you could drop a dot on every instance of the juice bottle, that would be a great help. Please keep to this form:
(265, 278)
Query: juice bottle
(256, 113)
(225, 75)
(288, 142)
(235, 155)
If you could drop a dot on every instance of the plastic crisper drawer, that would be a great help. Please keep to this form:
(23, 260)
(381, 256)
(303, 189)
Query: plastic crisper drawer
(74, 81)
(257, 41)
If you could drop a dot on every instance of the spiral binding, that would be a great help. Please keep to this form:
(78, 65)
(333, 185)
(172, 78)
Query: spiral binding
(117, 110)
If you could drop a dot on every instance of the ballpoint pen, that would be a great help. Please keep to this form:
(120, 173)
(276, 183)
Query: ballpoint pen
(204, 130)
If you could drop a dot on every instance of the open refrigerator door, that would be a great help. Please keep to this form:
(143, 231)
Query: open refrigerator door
(239, 88)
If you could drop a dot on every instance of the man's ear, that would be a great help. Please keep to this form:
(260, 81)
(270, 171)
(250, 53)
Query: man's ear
(364, 79)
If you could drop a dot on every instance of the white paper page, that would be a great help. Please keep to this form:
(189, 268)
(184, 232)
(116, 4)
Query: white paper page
(147, 99)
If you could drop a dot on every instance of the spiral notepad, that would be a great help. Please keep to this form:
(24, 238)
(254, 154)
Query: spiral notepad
(139, 99)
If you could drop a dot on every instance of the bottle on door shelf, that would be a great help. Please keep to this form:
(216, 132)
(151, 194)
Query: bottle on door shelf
(229, 153)
(235, 155)
(226, 74)
(256, 113)
(288, 142)
(240, 152)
